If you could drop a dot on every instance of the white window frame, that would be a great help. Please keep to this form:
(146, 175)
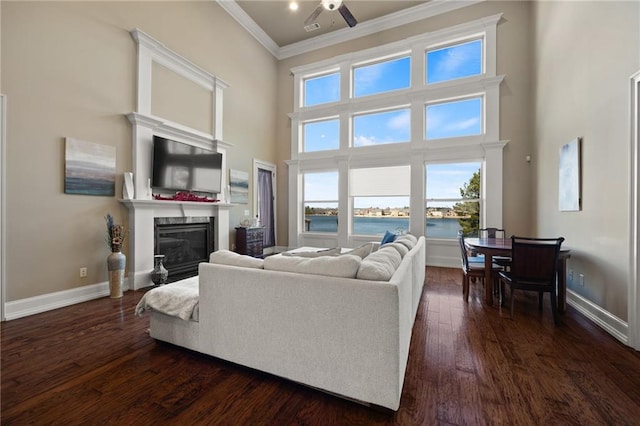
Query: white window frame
(486, 147)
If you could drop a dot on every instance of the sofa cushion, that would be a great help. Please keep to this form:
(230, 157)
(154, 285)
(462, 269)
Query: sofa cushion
(226, 257)
(362, 251)
(402, 249)
(408, 240)
(345, 266)
(327, 252)
(380, 265)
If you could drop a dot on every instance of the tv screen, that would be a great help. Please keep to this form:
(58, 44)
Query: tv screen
(181, 167)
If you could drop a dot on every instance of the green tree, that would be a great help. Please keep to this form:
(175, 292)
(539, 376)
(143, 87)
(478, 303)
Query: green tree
(469, 211)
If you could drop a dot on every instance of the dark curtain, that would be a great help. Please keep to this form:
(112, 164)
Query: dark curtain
(265, 197)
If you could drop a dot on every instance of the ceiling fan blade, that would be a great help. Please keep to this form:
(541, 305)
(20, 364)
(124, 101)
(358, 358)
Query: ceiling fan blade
(346, 14)
(314, 15)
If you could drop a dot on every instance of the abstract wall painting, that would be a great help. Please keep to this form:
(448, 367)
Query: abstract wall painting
(239, 186)
(90, 168)
(569, 177)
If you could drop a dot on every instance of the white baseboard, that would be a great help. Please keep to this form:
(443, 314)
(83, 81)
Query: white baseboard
(47, 302)
(609, 322)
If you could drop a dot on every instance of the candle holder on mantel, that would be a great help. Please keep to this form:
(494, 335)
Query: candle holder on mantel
(159, 274)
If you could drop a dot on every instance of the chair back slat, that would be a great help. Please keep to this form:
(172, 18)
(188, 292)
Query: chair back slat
(535, 259)
(463, 252)
(491, 233)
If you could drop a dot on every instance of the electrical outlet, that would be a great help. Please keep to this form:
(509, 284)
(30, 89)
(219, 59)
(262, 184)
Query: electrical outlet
(83, 272)
(582, 280)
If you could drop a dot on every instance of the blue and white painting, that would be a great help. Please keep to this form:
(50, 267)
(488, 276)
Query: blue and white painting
(239, 186)
(90, 168)
(569, 176)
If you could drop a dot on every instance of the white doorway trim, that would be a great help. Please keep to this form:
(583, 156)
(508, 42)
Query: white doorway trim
(3, 202)
(633, 338)
(264, 165)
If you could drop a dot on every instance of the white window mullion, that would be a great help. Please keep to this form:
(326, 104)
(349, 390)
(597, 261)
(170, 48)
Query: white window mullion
(344, 206)
(345, 81)
(417, 206)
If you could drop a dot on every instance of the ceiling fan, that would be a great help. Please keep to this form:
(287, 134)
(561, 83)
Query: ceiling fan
(330, 5)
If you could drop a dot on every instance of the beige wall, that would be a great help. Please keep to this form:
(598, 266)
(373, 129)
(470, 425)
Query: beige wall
(585, 55)
(514, 60)
(68, 69)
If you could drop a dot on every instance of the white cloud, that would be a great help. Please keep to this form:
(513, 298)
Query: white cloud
(400, 121)
(364, 141)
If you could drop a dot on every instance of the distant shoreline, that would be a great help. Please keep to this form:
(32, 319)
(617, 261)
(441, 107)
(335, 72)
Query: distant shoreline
(390, 217)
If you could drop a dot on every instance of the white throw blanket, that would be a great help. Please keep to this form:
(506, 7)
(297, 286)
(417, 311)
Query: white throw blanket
(179, 299)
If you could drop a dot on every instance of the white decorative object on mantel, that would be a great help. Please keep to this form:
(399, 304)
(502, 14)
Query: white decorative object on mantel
(127, 186)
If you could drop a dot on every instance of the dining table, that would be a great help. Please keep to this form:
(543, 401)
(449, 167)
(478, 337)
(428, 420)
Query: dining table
(490, 247)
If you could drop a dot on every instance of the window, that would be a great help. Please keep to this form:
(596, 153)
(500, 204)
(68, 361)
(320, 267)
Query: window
(453, 62)
(380, 199)
(419, 120)
(321, 202)
(321, 135)
(321, 90)
(381, 77)
(382, 128)
(452, 199)
(454, 119)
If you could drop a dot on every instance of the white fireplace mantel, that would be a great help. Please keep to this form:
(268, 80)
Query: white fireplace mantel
(141, 221)
(143, 209)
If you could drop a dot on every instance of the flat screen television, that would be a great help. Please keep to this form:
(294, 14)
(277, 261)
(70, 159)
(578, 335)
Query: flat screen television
(178, 166)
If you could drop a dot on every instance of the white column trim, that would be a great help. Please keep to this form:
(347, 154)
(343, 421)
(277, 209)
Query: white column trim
(3, 204)
(492, 181)
(633, 298)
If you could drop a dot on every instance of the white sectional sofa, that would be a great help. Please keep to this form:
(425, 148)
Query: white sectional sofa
(330, 322)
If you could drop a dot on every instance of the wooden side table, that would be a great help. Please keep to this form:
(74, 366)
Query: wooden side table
(250, 241)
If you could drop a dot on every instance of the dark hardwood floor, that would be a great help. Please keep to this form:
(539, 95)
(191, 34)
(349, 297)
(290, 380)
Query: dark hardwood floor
(94, 363)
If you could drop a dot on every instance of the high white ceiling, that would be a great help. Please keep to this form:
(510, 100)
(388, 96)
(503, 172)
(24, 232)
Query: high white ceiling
(282, 32)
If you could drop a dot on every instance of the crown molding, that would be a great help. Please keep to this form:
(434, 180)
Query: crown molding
(402, 17)
(236, 12)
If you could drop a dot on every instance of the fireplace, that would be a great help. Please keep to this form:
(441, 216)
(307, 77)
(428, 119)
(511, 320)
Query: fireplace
(185, 242)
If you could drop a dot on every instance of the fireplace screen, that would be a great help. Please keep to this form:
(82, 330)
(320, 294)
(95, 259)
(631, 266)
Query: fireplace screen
(185, 242)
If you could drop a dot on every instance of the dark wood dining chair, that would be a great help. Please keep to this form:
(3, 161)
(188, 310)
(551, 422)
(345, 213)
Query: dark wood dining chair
(534, 267)
(473, 269)
(503, 261)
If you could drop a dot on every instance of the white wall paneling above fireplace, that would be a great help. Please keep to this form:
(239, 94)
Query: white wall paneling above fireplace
(143, 209)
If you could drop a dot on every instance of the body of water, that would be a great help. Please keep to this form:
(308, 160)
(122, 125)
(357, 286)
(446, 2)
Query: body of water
(436, 228)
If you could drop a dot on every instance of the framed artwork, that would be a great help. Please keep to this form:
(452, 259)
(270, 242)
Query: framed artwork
(239, 186)
(569, 177)
(90, 168)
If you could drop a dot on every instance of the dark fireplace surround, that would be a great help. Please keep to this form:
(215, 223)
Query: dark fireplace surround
(185, 242)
